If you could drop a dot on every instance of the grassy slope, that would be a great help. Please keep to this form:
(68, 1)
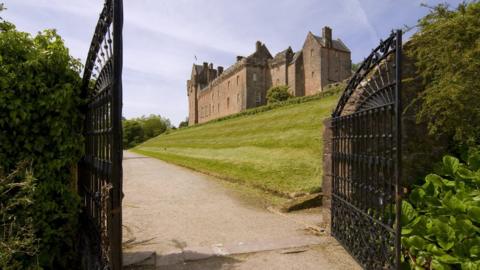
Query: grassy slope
(278, 150)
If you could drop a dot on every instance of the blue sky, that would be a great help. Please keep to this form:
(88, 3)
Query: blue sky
(162, 37)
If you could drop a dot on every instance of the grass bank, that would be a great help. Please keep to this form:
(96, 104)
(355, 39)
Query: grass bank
(278, 150)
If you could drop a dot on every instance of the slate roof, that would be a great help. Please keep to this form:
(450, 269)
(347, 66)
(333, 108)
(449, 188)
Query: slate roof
(295, 56)
(282, 53)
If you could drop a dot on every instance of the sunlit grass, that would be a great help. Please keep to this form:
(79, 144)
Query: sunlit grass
(278, 150)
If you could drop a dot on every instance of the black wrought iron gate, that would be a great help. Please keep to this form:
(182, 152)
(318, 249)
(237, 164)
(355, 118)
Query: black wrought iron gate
(366, 192)
(100, 171)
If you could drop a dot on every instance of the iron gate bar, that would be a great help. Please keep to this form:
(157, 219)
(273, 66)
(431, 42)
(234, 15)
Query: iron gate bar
(100, 170)
(366, 160)
(398, 124)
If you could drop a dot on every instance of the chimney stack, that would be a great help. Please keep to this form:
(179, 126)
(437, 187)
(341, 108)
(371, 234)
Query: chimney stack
(220, 70)
(210, 66)
(239, 58)
(327, 36)
(258, 45)
(205, 65)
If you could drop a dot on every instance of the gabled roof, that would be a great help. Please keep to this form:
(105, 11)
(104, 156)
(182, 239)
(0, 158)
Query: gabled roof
(296, 56)
(336, 44)
(262, 52)
(283, 53)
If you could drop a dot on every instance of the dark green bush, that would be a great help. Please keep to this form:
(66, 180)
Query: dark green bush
(138, 130)
(183, 124)
(40, 121)
(278, 93)
(441, 218)
(446, 51)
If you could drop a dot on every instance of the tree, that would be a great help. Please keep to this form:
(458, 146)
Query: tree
(356, 66)
(153, 126)
(183, 123)
(138, 130)
(132, 133)
(447, 55)
(278, 93)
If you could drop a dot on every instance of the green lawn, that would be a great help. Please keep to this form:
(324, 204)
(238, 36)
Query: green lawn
(278, 150)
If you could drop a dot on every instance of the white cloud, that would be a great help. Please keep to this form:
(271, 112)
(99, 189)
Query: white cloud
(162, 37)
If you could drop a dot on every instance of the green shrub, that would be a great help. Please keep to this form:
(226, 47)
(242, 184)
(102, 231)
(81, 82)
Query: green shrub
(41, 122)
(278, 93)
(446, 50)
(183, 124)
(441, 218)
(17, 238)
(138, 130)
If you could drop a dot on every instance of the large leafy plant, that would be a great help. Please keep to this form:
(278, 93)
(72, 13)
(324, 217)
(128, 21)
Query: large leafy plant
(441, 218)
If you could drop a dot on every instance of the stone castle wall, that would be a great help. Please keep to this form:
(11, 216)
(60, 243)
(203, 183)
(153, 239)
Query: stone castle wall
(215, 93)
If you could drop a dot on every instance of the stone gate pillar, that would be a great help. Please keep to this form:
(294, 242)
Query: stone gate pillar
(327, 173)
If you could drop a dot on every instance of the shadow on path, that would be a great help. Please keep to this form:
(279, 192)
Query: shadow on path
(190, 260)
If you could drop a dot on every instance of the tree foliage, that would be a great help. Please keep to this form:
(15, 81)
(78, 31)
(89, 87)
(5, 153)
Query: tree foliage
(441, 219)
(447, 53)
(278, 93)
(138, 130)
(183, 123)
(41, 123)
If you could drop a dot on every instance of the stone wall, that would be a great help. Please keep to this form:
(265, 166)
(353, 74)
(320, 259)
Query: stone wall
(256, 86)
(327, 173)
(311, 65)
(223, 98)
(336, 66)
(214, 93)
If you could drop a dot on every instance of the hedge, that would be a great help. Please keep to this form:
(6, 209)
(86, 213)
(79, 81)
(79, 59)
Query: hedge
(40, 123)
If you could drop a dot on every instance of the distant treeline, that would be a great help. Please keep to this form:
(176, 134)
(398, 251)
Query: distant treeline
(138, 130)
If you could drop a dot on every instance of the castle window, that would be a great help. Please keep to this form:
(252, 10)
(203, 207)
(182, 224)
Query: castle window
(213, 108)
(238, 98)
(228, 102)
(238, 79)
(218, 108)
(313, 73)
(254, 77)
(259, 98)
(311, 52)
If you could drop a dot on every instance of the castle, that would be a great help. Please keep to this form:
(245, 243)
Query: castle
(214, 93)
